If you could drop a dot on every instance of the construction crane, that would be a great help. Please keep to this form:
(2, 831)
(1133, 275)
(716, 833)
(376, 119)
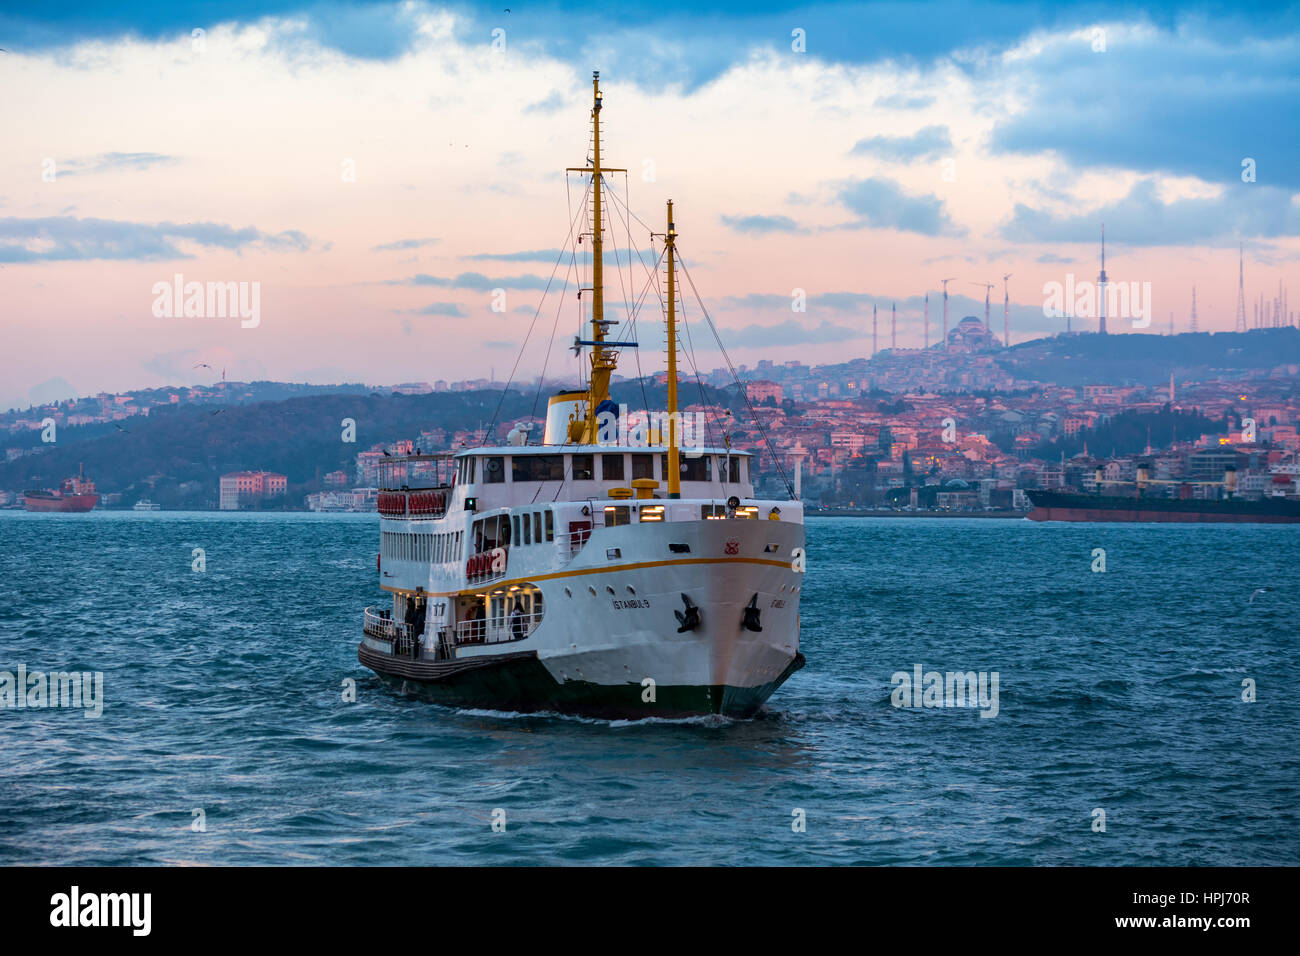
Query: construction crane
(1006, 310)
(945, 282)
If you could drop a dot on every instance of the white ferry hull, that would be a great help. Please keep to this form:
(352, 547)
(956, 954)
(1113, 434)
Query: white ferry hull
(609, 644)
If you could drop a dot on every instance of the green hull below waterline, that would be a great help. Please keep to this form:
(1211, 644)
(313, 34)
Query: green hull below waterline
(521, 683)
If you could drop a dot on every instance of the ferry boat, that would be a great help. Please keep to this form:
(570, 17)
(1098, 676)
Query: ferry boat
(589, 574)
(144, 504)
(76, 494)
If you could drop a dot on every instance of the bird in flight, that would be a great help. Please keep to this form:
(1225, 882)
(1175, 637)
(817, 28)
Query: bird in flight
(120, 428)
(1257, 591)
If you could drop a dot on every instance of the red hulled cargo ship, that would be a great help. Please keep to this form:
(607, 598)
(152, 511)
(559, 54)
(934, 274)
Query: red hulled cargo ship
(76, 494)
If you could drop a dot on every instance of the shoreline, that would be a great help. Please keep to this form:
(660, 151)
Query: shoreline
(871, 513)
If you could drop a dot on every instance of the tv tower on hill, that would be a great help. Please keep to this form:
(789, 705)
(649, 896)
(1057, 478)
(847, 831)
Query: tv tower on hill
(893, 327)
(873, 331)
(927, 321)
(1194, 329)
(1241, 288)
(1101, 285)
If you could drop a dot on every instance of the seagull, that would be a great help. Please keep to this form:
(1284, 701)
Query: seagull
(386, 454)
(218, 411)
(120, 428)
(1257, 591)
(203, 365)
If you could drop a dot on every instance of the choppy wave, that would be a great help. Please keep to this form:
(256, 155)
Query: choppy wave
(1120, 691)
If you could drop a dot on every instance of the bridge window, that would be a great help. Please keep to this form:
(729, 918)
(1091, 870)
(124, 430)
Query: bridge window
(528, 531)
(550, 526)
(537, 526)
(643, 466)
(494, 470)
(692, 469)
(583, 468)
(617, 514)
(538, 467)
(611, 467)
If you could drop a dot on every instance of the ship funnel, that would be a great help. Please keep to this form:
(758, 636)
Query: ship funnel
(1100, 476)
(560, 410)
(1230, 480)
(1143, 474)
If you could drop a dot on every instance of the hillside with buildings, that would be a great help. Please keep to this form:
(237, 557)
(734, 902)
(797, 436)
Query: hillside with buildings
(970, 426)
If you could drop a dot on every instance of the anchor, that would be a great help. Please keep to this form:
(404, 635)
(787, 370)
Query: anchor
(751, 620)
(689, 620)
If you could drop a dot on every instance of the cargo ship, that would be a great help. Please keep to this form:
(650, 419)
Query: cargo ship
(76, 494)
(1141, 506)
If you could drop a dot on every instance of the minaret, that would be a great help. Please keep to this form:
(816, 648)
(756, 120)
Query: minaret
(893, 327)
(1194, 329)
(927, 321)
(1171, 388)
(873, 331)
(944, 343)
(1006, 311)
(1241, 287)
(1101, 284)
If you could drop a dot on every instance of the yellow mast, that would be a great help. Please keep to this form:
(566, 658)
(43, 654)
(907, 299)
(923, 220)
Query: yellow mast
(603, 360)
(674, 456)
(601, 364)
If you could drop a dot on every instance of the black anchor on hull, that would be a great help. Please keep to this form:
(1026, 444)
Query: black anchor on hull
(690, 619)
(751, 618)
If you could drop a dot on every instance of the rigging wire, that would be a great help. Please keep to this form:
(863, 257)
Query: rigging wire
(736, 378)
(506, 388)
(572, 248)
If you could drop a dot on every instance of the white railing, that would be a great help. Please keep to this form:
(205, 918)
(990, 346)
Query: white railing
(497, 630)
(571, 542)
(380, 624)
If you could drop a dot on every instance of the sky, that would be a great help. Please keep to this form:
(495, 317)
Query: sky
(390, 177)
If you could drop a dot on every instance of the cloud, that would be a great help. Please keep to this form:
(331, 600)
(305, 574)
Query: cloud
(64, 238)
(442, 308)
(478, 282)
(928, 141)
(905, 101)
(1191, 101)
(759, 225)
(789, 332)
(1050, 258)
(111, 162)
(1142, 219)
(531, 255)
(548, 105)
(401, 244)
(882, 204)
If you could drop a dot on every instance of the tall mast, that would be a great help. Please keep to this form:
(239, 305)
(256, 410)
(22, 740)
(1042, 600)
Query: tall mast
(603, 357)
(674, 456)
